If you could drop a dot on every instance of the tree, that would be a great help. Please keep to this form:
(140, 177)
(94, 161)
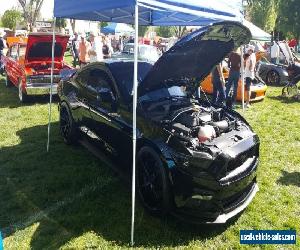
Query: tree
(164, 31)
(31, 10)
(10, 18)
(142, 30)
(264, 13)
(289, 18)
(180, 31)
(61, 23)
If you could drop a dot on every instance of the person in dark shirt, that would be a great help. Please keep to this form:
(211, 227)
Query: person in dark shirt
(234, 65)
(218, 83)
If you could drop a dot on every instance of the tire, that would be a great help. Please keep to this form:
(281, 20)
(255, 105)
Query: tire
(67, 126)
(8, 82)
(23, 97)
(152, 182)
(273, 78)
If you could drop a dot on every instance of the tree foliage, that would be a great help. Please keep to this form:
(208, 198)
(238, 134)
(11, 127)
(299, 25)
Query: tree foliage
(31, 10)
(166, 31)
(10, 18)
(61, 23)
(289, 18)
(264, 13)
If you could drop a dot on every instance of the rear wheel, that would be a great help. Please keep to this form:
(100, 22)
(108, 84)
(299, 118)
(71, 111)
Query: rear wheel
(152, 182)
(273, 78)
(23, 97)
(67, 126)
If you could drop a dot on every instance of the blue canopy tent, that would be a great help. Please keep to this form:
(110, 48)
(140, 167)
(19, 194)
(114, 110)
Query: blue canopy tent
(145, 12)
(117, 28)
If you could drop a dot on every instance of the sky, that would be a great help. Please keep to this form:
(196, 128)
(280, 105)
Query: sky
(46, 11)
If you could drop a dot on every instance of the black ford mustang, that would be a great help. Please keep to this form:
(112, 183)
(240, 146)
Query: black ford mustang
(194, 159)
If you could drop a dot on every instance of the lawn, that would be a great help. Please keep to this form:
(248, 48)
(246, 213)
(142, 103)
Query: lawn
(69, 199)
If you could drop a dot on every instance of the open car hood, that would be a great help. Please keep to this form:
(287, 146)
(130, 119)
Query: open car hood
(286, 51)
(39, 47)
(195, 55)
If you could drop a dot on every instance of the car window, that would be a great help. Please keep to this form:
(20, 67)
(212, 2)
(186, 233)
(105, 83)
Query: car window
(14, 51)
(97, 82)
(22, 50)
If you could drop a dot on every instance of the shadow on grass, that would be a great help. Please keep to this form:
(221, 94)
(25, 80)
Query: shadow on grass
(69, 193)
(284, 99)
(288, 179)
(9, 97)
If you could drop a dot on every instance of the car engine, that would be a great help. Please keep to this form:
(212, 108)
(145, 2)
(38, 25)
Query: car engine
(198, 124)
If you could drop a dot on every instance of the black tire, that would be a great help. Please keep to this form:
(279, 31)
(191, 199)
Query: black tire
(273, 78)
(67, 127)
(8, 82)
(152, 182)
(23, 97)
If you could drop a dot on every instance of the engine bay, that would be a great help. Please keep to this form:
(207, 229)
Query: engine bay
(193, 123)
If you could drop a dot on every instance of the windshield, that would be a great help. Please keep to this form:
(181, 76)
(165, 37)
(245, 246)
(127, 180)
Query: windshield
(165, 93)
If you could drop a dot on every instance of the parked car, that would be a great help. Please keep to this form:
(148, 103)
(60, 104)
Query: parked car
(258, 88)
(195, 160)
(28, 64)
(146, 52)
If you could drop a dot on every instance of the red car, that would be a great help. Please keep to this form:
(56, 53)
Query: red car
(28, 64)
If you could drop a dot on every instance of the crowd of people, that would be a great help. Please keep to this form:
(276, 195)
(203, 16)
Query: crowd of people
(94, 49)
(222, 93)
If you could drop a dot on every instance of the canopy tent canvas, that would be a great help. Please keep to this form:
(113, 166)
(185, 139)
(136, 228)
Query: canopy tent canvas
(146, 12)
(117, 28)
(257, 33)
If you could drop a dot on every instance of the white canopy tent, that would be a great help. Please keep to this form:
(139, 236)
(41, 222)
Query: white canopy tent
(144, 12)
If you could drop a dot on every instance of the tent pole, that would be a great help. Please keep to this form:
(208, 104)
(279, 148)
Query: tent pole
(52, 69)
(135, 84)
(243, 78)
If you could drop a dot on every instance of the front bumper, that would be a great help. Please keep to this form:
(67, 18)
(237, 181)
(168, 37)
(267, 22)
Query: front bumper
(203, 197)
(40, 89)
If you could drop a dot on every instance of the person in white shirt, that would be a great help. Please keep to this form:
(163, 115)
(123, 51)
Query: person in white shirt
(95, 52)
(275, 53)
(249, 69)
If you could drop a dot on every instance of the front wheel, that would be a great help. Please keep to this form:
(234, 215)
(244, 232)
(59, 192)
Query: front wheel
(152, 182)
(67, 126)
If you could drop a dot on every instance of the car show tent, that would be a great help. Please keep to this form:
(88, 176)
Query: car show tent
(257, 33)
(145, 12)
(117, 28)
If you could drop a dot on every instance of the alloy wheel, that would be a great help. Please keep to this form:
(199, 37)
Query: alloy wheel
(150, 183)
(65, 123)
(273, 78)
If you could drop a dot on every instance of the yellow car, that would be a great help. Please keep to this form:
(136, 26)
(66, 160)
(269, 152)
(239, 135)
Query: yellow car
(258, 89)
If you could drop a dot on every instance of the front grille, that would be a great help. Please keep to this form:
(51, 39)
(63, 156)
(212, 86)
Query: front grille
(43, 79)
(241, 158)
(233, 201)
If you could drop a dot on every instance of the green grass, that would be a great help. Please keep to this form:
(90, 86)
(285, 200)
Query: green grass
(69, 199)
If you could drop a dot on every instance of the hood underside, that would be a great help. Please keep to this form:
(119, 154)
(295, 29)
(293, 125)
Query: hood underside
(39, 47)
(195, 55)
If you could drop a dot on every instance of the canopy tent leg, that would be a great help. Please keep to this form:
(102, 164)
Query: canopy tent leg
(135, 85)
(242, 78)
(52, 69)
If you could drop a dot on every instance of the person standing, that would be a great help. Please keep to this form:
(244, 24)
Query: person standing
(95, 52)
(75, 50)
(275, 52)
(84, 47)
(234, 65)
(218, 83)
(2, 46)
(107, 48)
(249, 65)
